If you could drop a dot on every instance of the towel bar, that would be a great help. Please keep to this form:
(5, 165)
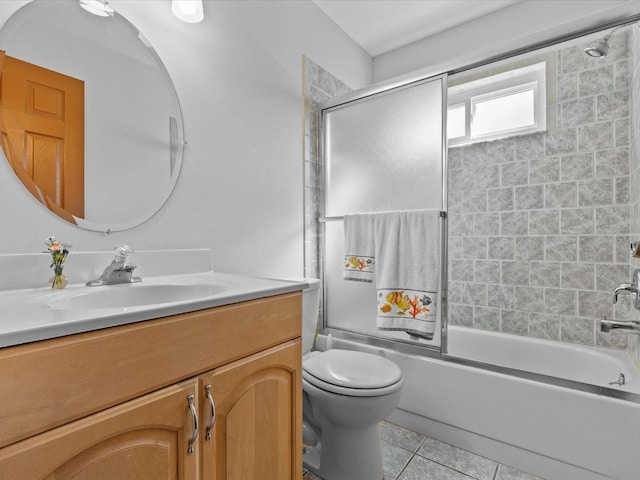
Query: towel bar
(340, 217)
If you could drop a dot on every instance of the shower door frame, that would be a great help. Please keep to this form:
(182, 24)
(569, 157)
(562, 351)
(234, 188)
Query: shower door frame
(404, 82)
(356, 97)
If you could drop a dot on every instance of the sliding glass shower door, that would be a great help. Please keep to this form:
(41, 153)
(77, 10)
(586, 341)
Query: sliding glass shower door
(382, 151)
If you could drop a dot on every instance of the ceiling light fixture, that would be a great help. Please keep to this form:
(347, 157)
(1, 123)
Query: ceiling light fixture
(190, 11)
(97, 7)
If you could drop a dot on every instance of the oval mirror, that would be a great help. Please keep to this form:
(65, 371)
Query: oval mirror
(89, 117)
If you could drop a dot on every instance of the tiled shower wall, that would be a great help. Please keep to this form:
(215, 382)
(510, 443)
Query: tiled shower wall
(318, 86)
(539, 226)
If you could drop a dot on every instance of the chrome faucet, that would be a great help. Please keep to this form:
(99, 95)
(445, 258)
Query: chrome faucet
(118, 271)
(630, 288)
(632, 325)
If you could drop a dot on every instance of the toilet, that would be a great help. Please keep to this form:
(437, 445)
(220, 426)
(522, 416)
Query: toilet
(345, 395)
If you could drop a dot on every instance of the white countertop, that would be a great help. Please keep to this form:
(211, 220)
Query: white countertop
(25, 314)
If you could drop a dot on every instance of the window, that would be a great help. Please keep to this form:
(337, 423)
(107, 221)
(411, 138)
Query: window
(509, 103)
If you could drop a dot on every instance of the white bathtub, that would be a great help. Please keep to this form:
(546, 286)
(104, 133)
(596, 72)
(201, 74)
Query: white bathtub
(557, 429)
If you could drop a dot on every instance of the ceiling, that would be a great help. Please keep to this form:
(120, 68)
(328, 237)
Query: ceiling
(380, 26)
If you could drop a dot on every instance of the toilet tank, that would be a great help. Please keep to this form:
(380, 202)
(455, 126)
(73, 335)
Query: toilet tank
(310, 309)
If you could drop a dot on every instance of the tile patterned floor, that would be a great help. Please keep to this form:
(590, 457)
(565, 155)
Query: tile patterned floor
(411, 456)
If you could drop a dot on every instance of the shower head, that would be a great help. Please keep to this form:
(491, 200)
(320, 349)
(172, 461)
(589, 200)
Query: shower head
(598, 48)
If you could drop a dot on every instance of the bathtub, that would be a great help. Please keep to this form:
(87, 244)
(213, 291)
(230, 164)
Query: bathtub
(543, 407)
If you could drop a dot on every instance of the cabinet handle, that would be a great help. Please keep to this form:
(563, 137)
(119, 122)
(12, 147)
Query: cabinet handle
(212, 409)
(194, 423)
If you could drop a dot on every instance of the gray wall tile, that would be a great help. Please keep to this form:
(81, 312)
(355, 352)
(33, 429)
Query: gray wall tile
(529, 197)
(544, 326)
(544, 222)
(576, 167)
(515, 322)
(575, 112)
(578, 330)
(561, 248)
(515, 273)
(560, 301)
(578, 276)
(564, 194)
(500, 199)
(595, 192)
(529, 248)
(574, 221)
(502, 248)
(544, 274)
(547, 218)
(501, 296)
(595, 248)
(529, 299)
(514, 223)
(595, 137)
(561, 142)
(487, 271)
(515, 173)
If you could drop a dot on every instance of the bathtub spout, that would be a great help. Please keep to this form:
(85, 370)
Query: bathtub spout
(632, 325)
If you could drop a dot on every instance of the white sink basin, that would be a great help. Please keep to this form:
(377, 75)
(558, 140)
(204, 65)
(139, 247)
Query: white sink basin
(134, 295)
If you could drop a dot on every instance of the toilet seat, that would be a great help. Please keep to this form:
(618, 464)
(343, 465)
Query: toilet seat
(351, 373)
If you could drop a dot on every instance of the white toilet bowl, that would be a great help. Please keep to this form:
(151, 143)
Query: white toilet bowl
(347, 394)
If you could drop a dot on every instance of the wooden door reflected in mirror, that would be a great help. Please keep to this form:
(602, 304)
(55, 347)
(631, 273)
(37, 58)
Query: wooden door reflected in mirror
(43, 116)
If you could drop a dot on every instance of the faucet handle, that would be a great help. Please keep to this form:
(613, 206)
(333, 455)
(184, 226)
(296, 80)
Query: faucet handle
(122, 252)
(623, 287)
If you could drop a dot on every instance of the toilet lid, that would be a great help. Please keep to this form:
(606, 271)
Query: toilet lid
(347, 368)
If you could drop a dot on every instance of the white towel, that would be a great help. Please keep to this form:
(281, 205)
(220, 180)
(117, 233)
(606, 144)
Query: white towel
(407, 256)
(359, 249)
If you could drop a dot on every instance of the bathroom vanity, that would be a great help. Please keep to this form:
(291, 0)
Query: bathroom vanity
(213, 393)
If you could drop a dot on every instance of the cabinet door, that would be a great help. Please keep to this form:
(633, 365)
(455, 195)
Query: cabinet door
(258, 417)
(143, 439)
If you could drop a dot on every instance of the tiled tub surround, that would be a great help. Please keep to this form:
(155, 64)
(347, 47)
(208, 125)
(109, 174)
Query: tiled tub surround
(539, 225)
(318, 86)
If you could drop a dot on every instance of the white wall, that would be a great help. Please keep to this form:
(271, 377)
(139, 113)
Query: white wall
(517, 26)
(238, 77)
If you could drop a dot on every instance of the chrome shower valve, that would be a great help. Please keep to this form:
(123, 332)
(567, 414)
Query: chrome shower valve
(630, 288)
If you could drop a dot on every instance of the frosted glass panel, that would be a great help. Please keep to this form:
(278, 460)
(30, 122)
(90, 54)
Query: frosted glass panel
(382, 153)
(385, 152)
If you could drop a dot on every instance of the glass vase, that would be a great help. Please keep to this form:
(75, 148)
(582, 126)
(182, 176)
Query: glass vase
(58, 281)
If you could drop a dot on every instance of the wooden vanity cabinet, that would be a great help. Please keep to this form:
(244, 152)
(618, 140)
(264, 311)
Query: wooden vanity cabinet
(142, 439)
(256, 398)
(254, 435)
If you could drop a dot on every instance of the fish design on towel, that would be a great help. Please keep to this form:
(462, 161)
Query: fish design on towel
(410, 311)
(362, 264)
(407, 252)
(359, 255)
